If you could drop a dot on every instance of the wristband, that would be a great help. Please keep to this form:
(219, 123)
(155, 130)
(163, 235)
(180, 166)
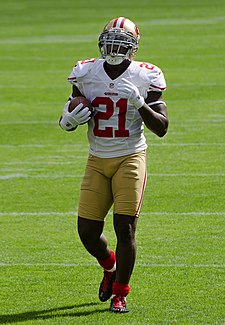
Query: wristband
(139, 103)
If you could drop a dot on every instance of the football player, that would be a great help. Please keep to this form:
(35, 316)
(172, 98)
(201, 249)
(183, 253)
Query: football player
(126, 95)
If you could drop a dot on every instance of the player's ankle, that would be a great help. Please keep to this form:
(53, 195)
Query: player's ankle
(120, 289)
(109, 264)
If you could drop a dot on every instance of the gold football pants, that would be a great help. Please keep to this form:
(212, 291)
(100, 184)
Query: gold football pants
(119, 181)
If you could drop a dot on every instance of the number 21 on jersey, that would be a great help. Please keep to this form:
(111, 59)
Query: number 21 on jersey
(110, 106)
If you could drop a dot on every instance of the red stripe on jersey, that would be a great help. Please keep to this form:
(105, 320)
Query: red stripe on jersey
(115, 22)
(152, 86)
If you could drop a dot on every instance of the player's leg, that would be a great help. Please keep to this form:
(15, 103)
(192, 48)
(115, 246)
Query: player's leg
(92, 237)
(128, 187)
(90, 232)
(95, 201)
(125, 227)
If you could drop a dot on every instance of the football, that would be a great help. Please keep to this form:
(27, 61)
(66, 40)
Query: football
(77, 100)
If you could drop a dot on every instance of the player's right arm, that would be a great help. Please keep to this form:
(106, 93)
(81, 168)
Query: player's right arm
(76, 92)
(69, 121)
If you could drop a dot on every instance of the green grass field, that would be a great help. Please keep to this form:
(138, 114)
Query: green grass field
(46, 276)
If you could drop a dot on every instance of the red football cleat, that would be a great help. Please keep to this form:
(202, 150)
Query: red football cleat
(118, 305)
(105, 289)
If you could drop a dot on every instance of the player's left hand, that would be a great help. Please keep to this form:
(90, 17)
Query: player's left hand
(128, 90)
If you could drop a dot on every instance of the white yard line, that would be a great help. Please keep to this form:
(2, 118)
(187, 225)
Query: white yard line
(182, 21)
(177, 122)
(50, 176)
(42, 162)
(26, 122)
(38, 213)
(188, 175)
(10, 176)
(71, 146)
(49, 39)
(55, 213)
(182, 265)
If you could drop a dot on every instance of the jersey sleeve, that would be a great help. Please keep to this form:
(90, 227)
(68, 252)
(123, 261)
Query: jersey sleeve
(156, 80)
(152, 77)
(80, 70)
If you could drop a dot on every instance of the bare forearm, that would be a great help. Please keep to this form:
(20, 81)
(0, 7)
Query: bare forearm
(155, 121)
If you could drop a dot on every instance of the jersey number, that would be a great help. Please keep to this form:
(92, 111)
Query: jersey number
(121, 105)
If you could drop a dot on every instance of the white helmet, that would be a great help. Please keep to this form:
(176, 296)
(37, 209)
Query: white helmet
(119, 40)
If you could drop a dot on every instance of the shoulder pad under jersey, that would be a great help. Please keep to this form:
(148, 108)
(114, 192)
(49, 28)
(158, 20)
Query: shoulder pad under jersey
(153, 77)
(80, 70)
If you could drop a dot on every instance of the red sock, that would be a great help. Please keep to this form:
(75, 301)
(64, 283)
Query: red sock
(109, 264)
(120, 289)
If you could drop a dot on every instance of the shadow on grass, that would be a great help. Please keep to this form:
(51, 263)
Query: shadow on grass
(52, 313)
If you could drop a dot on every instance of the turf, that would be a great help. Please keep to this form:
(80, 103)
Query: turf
(46, 275)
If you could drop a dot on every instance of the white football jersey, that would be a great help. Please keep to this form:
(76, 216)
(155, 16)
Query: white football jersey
(116, 128)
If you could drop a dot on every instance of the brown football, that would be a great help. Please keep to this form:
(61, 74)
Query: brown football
(77, 100)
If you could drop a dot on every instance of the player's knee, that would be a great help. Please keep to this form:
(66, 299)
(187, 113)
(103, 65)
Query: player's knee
(125, 232)
(84, 234)
(87, 237)
(89, 231)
